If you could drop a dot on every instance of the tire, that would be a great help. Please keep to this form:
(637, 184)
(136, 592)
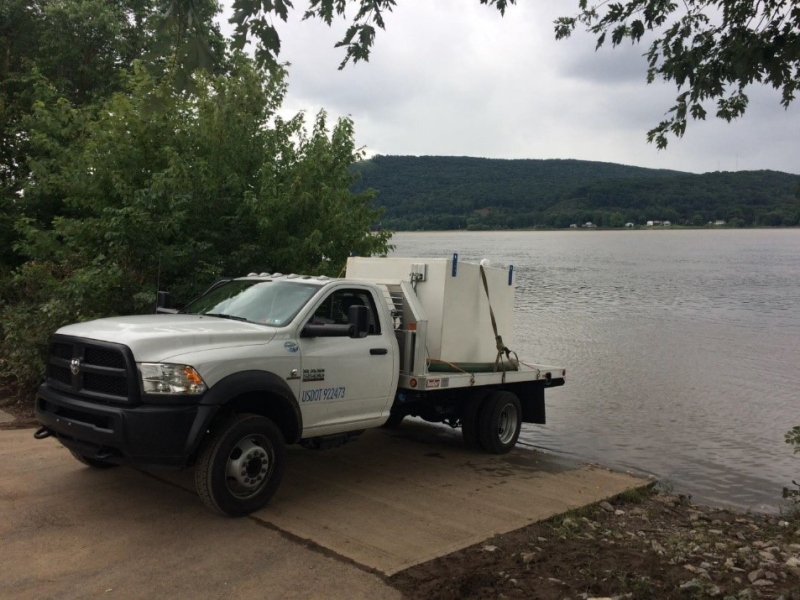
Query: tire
(500, 422)
(469, 421)
(240, 465)
(92, 462)
(394, 421)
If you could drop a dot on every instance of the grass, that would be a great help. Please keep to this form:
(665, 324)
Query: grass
(637, 495)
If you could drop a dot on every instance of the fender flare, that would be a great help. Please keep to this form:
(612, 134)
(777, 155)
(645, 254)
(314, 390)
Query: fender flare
(248, 382)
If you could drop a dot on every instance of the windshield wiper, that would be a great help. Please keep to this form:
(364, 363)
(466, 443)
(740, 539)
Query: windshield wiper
(224, 316)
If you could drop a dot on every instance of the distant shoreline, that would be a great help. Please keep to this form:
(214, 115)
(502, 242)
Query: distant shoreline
(635, 228)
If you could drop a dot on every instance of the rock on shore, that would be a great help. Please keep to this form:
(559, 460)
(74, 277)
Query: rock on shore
(640, 545)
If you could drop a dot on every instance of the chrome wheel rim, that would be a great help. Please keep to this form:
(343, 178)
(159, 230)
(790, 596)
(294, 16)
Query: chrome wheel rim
(249, 467)
(507, 426)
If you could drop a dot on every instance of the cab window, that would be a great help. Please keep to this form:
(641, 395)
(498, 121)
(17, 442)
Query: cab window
(268, 302)
(334, 309)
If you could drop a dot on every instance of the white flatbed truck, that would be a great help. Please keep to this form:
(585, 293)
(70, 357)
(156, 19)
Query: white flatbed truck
(266, 360)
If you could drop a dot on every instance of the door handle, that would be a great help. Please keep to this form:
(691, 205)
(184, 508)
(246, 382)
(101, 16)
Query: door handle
(378, 351)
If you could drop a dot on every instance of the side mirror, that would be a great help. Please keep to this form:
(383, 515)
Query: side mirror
(358, 320)
(164, 303)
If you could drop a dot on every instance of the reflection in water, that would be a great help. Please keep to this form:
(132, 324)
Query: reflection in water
(681, 347)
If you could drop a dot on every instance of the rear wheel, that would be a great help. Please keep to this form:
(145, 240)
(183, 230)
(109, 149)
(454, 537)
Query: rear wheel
(241, 465)
(92, 462)
(469, 420)
(500, 422)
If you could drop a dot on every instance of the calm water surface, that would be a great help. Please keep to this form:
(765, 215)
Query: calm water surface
(682, 348)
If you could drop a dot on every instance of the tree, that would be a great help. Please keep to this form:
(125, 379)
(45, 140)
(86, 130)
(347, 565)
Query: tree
(146, 192)
(79, 50)
(616, 220)
(712, 50)
(123, 165)
(252, 18)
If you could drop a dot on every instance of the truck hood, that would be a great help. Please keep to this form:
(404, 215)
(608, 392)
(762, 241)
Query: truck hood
(154, 338)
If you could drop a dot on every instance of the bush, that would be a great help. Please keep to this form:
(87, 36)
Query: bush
(793, 439)
(155, 186)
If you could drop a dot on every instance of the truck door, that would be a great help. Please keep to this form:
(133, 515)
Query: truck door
(346, 383)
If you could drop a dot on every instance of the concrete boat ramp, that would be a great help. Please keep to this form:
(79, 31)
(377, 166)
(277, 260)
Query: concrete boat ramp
(384, 502)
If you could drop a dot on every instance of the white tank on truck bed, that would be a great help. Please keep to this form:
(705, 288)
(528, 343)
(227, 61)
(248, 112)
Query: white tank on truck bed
(455, 301)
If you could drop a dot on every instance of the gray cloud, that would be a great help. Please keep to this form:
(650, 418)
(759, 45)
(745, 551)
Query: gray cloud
(451, 77)
(606, 66)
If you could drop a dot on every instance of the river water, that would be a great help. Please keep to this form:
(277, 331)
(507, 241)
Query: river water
(682, 349)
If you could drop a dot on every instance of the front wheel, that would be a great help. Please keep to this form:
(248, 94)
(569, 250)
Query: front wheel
(241, 465)
(500, 422)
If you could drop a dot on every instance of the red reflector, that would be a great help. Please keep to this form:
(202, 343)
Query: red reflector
(413, 383)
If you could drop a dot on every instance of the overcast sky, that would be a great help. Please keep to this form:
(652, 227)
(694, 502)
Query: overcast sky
(451, 77)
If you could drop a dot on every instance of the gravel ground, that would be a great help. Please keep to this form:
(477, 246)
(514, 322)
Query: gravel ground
(21, 409)
(640, 545)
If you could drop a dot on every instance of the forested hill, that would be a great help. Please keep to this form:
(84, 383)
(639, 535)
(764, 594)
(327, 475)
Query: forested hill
(440, 192)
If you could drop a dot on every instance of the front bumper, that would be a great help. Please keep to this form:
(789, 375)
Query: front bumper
(147, 434)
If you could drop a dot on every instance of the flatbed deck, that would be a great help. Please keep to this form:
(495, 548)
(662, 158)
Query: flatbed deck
(442, 380)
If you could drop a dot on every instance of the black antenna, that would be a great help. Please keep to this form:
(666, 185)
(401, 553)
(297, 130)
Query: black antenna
(158, 280)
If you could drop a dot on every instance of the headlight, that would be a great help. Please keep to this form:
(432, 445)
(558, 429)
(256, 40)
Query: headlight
(160, 378)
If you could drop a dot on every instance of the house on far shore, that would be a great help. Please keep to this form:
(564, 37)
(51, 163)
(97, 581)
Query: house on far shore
(573, 226)
(649, 223)
(589, 225)
(719, 223)
(628, 224)
(667, 223)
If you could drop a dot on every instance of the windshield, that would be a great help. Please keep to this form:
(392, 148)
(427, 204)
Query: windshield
(267, 302)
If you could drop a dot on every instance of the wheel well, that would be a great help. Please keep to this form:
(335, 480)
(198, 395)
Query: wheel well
(276, 408)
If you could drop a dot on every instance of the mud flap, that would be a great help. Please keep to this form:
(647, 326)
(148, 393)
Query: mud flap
(532, 398)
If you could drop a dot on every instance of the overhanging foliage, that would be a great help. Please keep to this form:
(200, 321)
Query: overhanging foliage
(712, 50)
